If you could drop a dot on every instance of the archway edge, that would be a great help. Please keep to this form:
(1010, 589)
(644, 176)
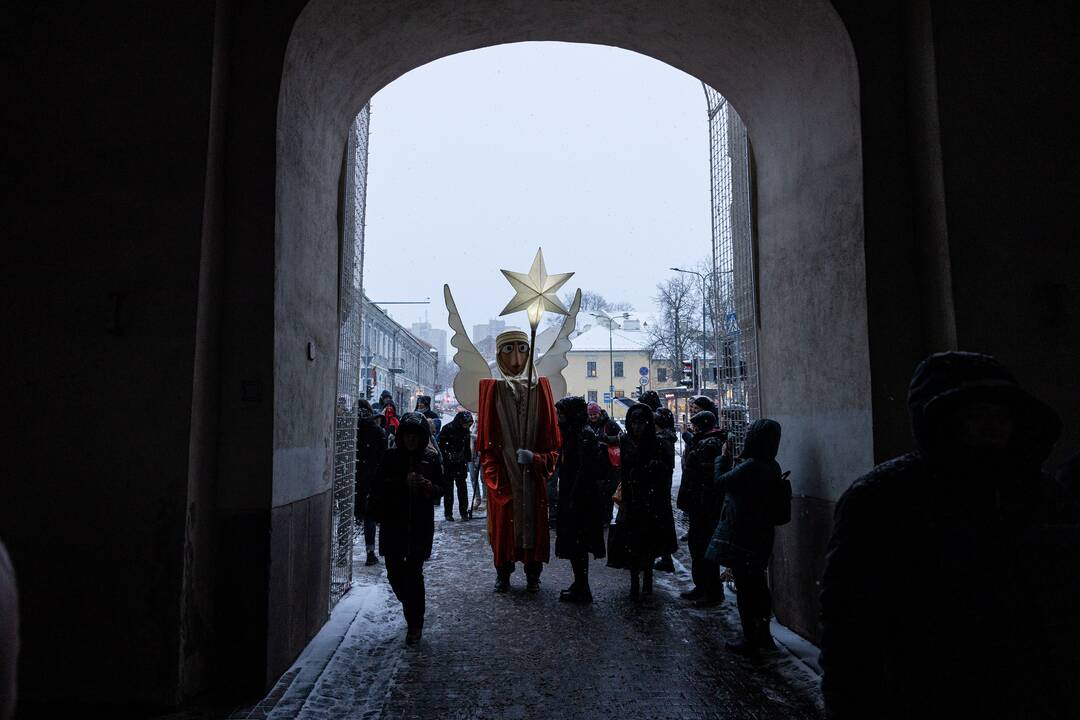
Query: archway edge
(789, 69)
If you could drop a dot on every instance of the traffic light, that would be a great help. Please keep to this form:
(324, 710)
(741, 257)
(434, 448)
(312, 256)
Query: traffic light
(687, 373)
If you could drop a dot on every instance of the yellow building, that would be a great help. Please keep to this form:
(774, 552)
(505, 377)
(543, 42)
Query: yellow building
(593, 366)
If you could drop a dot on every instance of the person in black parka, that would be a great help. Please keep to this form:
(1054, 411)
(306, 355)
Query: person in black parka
(408, 481)
(370, 446)
(743, 540)
(455, 445)
(579, 525)
(951, 584)
(665, 433)
(698, 498)
(645, 528)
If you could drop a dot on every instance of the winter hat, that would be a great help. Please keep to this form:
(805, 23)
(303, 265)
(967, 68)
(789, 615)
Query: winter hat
(705, 403)
(574, 410)
(665, 419)
(651, 398)
(703, 421)
(414, 422)
(641, 412)
(595, 408)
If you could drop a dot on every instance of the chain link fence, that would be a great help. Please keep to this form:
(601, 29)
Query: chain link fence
(350, 341)
(733, 283)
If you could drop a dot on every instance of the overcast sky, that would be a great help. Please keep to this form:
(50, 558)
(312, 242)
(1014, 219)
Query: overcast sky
(596, 154)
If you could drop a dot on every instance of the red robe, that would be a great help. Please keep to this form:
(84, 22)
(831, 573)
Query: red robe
(489, 445)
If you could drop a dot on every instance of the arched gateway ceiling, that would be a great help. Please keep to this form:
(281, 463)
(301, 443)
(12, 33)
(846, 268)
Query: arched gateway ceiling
(789, 69)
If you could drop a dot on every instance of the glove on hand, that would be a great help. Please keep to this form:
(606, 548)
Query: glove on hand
(524, 457)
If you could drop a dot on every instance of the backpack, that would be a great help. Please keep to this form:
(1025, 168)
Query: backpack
(780, 508)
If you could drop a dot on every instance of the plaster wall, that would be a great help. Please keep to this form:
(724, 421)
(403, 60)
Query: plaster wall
(789, 70)
(105, 134)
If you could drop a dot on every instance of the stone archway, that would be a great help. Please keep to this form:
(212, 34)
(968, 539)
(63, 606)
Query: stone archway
(790, 70)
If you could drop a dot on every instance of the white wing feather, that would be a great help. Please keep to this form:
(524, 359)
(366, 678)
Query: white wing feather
(554, 361)
(472, 367)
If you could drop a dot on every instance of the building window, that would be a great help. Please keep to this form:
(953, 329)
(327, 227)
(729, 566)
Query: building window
(618, 368)
(590, 371)
(661, 375)
(620, 393)
(592, 393)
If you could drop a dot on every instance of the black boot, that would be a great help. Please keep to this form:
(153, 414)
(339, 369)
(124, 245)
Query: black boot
(502, 581)
(532, 576)
(579, 591)
(646, 581)
(634, 585)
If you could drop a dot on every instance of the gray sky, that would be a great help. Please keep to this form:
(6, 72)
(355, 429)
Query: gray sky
(596, 154)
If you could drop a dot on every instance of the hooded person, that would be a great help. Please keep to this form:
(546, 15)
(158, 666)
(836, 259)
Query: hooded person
(991, 628)
(517, 456)
(455, 445)
(743, 540)
(370, 447)
(409, 479)
(699, 500)
(665, 433)
(580, 521)
(645, 528)
(385, 398)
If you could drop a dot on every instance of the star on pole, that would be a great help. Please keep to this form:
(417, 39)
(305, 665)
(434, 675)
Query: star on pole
(535, 291)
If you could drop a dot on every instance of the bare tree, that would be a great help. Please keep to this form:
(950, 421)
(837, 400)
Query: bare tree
(672, 337)
(591, 301)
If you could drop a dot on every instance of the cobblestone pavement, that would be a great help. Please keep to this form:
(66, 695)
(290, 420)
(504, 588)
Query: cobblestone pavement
(521, 655)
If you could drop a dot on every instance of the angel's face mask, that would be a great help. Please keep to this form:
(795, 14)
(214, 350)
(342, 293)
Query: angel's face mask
(512, 353)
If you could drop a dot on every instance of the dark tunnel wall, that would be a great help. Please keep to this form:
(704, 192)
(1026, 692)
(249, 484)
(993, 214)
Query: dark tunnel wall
(139, 215)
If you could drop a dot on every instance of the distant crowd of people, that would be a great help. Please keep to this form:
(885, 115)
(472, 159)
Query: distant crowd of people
(406, 464)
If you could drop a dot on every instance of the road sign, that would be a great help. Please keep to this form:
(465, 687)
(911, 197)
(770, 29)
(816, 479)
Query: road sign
(644, 381)
(643, 371)
(607, 397)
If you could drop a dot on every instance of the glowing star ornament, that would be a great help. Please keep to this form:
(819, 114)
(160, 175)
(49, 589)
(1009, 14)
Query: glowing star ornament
(536, 291)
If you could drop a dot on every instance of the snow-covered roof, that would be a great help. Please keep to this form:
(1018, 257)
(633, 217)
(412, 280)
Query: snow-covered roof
(595, 339)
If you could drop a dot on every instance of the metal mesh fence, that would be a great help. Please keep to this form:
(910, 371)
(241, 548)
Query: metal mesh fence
(350, 335)
(732, 286)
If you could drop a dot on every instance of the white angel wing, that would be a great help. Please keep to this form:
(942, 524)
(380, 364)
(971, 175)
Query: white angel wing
(472, 367)
(553, 362)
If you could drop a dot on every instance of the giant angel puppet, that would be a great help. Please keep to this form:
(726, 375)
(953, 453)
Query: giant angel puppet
(517, 438)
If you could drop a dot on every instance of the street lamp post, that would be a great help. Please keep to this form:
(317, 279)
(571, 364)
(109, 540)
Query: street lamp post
(704, 342)
(611, 358)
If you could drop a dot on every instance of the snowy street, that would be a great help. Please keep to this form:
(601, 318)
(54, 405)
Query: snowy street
(519, 655)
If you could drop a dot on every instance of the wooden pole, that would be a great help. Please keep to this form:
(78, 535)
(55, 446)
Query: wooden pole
(528, 386)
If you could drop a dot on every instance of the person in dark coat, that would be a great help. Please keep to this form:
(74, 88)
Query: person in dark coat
(988, 625)
(645, 528)
(579, 525)
(607, 432)
(408, 481)
(665, 433)
(423, 406)
(743, 541)
(370, 447)
(699, 499)
(455, 444)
